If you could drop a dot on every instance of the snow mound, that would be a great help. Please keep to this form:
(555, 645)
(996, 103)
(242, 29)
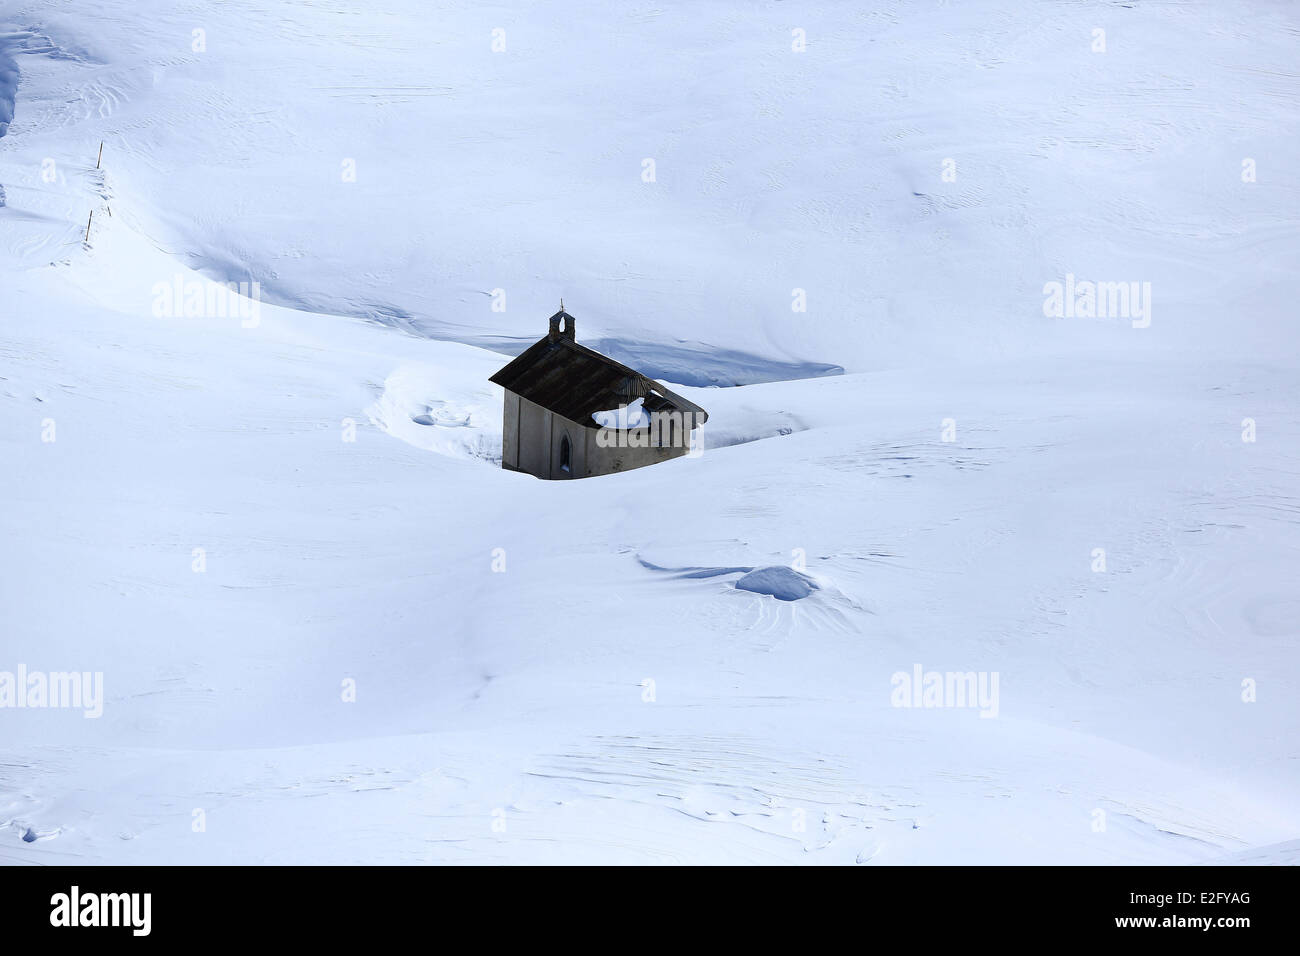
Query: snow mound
(450, 411)
(632, 415)
(782, 583)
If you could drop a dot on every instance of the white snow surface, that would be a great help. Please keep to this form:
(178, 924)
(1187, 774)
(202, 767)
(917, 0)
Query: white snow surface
(566, 671)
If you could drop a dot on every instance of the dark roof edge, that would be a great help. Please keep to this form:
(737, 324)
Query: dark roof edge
(684, 404)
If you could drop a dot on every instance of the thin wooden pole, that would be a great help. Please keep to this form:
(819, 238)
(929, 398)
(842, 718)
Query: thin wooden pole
(88, 218)
(101, 154)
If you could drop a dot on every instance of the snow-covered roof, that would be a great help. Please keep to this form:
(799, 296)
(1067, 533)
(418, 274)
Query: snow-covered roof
(574, 381)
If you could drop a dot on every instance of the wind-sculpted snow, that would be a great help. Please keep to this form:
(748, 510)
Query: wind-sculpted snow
(8, 85)
(685, 363)
(782, 583)
(332, 629)
(778, 581)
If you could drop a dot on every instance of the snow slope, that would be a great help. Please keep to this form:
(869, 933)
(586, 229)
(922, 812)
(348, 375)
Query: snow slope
(567, 672)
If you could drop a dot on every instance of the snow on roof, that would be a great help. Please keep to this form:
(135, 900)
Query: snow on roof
(574, 381)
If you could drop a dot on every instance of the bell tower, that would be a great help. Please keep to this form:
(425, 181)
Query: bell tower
(566, 330)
